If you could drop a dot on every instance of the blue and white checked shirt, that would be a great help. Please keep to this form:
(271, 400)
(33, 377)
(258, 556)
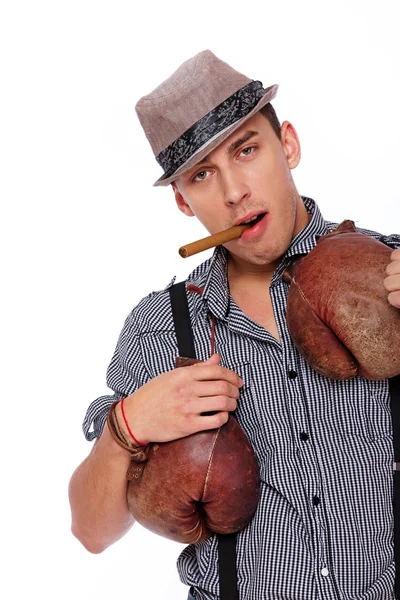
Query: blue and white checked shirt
(324, 525)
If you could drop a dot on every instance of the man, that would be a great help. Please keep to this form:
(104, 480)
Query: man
(324, 523)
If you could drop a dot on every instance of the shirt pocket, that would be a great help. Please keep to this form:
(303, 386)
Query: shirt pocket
(158, 352)
(377, 410)
(247, 411)
(363, 407)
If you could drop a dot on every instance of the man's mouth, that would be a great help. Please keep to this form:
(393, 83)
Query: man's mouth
(253, 220)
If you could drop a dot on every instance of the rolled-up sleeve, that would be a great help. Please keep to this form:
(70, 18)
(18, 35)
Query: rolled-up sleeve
(125, 374)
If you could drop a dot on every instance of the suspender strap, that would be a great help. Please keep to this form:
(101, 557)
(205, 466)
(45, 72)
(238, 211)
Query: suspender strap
(227, 567)
(394, 389)
(226, 543)
(181, 316)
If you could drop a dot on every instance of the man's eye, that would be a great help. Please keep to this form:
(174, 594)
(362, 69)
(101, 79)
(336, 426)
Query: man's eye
(200, 176)
(247, 151)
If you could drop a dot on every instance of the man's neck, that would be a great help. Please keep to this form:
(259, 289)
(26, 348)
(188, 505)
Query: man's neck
(249, 275)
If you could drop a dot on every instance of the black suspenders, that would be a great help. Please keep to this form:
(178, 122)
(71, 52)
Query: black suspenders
(394, 389)
(227, 543)
(183, 326)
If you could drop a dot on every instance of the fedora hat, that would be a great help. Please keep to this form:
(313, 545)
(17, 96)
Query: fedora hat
(195, 109)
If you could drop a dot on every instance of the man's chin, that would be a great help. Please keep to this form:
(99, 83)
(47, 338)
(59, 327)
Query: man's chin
(262, 260)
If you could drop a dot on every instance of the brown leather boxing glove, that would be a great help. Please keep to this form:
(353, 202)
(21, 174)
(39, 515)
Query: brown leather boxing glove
(338, 314)
(193, 487)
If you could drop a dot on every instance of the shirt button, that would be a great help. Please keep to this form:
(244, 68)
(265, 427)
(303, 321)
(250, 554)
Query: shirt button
(303, 436)
(292, 374)
(316, 500)
(324, 572)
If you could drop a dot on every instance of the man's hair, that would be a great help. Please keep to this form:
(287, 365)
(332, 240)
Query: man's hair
(269, 113)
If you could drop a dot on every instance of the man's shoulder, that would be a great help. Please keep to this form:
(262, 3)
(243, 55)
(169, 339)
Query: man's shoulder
(392, 240)
(153, 312)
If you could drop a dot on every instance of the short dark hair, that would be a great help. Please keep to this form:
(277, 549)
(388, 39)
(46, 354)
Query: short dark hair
(269, 113)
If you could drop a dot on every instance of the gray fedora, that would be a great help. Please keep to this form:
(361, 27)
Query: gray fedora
(197, 108)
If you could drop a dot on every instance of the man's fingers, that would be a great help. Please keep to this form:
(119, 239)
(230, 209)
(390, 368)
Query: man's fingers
(221, 387)
(211, 421)
(215, 403)
(393, 268)
(394, 299)
(207, 372)
(392, 283)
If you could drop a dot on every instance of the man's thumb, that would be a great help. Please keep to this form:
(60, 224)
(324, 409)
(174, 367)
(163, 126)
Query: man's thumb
(213, 360)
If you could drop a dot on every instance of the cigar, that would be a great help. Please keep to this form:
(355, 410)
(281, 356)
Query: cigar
(213, 240)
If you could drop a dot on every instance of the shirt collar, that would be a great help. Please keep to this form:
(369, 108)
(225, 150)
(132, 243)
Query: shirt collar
(306, 239)
(216, 290)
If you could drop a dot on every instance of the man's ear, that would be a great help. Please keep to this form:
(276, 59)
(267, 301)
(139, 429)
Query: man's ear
(182, 205)
(290, 144)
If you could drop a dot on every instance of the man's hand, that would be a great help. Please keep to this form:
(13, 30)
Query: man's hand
(169, 406)
(392, 281)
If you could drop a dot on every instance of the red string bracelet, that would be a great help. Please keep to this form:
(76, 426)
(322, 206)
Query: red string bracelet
(127, 426)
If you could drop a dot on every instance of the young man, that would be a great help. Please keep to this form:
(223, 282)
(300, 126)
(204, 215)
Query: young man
(324, 523)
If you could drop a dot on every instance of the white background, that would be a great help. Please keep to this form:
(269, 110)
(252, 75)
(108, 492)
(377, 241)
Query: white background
(84, 234)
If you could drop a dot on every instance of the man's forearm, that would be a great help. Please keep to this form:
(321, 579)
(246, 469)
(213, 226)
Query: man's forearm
(97, 494)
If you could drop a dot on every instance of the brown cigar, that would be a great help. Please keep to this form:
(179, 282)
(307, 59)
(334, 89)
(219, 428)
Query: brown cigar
(213, 240)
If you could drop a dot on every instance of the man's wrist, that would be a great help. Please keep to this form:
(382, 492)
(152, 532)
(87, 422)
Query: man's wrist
(130, 436)
(137, 453)
(109, 443)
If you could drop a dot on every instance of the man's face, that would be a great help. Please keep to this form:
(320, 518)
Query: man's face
(248, 175)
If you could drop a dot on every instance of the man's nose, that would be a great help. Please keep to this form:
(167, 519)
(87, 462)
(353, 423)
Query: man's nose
(235, 187)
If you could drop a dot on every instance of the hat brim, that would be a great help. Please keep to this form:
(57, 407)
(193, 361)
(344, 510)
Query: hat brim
(215, 141)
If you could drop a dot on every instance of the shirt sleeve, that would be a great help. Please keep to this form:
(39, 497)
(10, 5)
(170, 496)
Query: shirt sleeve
(391, 240)
(125, 374)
